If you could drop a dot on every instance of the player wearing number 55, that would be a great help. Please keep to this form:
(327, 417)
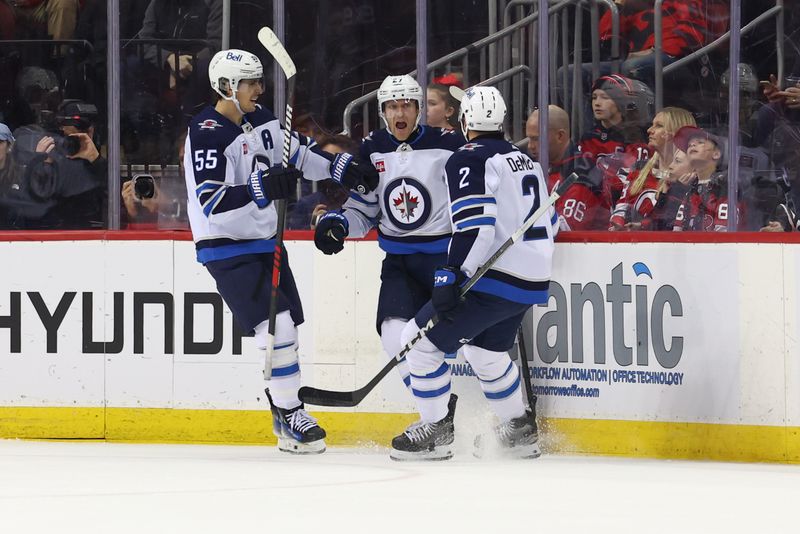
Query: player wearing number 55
(234, 177)
(493, 188)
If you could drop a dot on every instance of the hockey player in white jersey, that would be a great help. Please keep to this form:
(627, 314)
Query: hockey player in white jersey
(409, 207)
(493, 188)
(233, 175)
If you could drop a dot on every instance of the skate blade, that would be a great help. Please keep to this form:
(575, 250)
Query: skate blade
(520, 452)
(437, 454)
(295, 447)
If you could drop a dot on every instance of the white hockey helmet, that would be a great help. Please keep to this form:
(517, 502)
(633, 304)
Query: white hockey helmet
(229, 67)
(400, 88)
(482, 109)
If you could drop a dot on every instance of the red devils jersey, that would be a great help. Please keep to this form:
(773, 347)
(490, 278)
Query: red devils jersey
(684, 23)
(583, 206)
(705, 208)
(636, 207)
(601, 141)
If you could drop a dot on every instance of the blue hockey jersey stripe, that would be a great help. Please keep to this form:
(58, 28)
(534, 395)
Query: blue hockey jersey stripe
(408, 247)
(206, 187)
(212, 202)
(468, 213)
(471, 202)
(286, 371)
(510, 365)
(205, 255)
(505, 393)
(430, 394)
(481, 221)
(438, 372)
(361, 199)
(554, 218)
(511, 292)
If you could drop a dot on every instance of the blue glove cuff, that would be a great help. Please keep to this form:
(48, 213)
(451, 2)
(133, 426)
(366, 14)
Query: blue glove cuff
(444, 277)
(256, 188)
(339, 166)
(338, 217)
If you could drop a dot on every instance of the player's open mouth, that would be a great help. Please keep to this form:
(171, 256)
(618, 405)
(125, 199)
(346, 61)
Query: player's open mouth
(401, 125)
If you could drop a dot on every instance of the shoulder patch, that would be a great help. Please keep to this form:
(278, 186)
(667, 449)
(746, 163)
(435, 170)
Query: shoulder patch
(209, 124)
(470, 146)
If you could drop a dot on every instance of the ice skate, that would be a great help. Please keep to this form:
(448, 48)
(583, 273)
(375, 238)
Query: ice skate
(427, 441)
(517, 438)
(296, 430)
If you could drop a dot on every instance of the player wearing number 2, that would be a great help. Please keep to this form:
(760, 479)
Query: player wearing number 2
(493, 188)
(409, 207)
(233, 176)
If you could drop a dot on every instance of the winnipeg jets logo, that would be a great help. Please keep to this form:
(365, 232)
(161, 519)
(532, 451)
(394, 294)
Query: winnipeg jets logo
(406, 203)
(209, 124)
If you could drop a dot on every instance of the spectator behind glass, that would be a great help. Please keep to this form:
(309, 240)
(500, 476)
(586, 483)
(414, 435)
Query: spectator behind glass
(684, 29)
(9, 180)
(622, 109)
(583, 205)
(705, 207)
(56, 17)
(329, 196)
(182, 19)
(66, 175)
(441, 107)
(166, 208)
(778, 125)
(644, 205)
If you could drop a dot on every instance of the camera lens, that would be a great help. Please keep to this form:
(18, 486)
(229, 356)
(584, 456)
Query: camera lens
(70, 145)
(144, 186)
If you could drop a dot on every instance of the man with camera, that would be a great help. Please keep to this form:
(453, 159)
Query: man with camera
(67, 173)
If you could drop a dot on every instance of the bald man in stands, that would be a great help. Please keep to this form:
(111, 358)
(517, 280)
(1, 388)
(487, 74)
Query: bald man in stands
(583, 206)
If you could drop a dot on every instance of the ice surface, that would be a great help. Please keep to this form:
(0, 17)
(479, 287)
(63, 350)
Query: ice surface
(90, 487)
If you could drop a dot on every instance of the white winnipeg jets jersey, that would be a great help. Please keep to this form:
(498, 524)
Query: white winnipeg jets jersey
(493, 189)
(219, 158)
(410, 204)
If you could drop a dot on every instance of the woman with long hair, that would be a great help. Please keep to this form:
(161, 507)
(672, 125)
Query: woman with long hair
(647, 185)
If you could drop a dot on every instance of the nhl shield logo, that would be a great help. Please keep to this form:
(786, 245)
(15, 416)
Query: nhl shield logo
(407, 203)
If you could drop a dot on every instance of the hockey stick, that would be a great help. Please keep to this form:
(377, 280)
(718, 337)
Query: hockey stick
(322, 397)
(274, 47)
(525, 367)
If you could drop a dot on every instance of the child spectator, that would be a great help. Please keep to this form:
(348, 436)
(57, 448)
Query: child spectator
(621, 108)
(706, 206)
(441, 107)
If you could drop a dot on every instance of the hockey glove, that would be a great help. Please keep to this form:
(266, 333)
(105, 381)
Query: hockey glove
(446, 295)
(276, 183)
(332, 228)
(357, 175)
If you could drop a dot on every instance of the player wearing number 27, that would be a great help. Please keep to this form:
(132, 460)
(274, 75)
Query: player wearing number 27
(233, 176)
(493, 188)
(409, 207)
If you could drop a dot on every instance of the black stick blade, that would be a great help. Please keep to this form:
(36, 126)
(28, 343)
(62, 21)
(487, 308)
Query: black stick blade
(322, 397)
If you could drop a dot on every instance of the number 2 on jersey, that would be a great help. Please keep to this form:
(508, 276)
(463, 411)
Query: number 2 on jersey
(530, 185)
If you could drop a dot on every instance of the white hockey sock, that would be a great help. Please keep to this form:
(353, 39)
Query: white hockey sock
(430, 377)
(285, 379)
(500, 381)
(391, 331)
